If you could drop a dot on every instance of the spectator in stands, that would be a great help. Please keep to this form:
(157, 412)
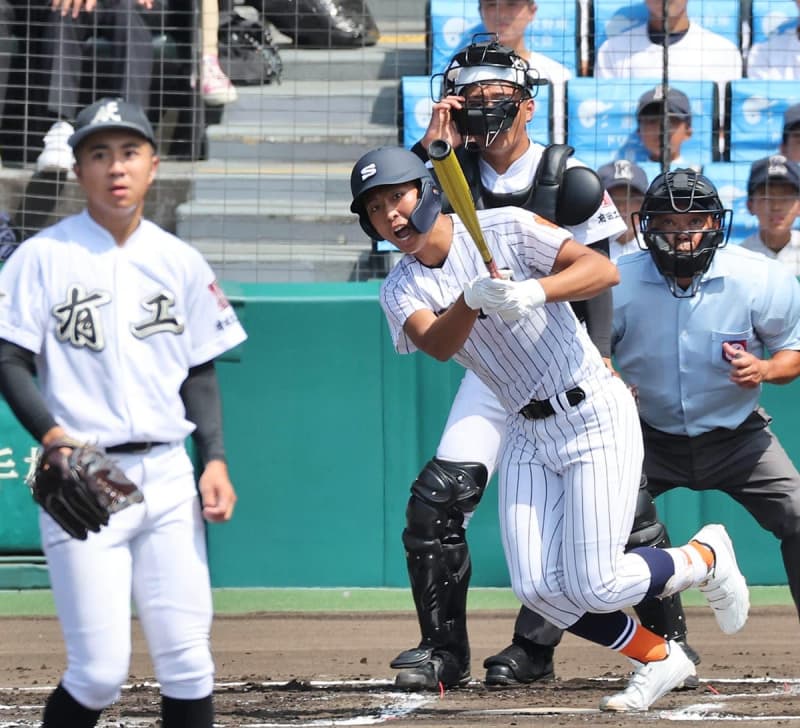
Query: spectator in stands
(773, 196)
(626, 183)
(695, 53)
(509, 20)
(778, 57)
(654, 110)
(215, 86)
(68, 25)
(790, 146)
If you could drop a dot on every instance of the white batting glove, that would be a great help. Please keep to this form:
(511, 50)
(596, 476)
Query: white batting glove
(486, 293)
(523, 298)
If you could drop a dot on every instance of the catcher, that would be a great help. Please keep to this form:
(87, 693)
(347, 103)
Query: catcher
(122, 332)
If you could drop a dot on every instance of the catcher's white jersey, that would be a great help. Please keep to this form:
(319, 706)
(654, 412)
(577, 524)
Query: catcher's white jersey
(605, 222)
(534, 358)
(115, 328)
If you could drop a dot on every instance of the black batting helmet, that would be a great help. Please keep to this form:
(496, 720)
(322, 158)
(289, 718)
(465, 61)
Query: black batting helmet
(677, 192)
(390, 166)
(482, 63)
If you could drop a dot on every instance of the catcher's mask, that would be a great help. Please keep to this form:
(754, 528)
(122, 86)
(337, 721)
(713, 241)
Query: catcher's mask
(390, 166)
(473, 72)
(677, 192)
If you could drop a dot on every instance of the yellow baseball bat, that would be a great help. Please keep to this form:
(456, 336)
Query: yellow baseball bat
(454, 184)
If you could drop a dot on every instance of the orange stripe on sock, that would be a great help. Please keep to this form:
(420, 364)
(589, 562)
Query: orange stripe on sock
(645, 646)
(706, 553)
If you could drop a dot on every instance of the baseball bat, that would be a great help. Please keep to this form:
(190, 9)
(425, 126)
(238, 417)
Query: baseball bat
(454, 184)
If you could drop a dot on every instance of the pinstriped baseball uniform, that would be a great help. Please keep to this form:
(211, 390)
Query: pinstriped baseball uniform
(569, 482)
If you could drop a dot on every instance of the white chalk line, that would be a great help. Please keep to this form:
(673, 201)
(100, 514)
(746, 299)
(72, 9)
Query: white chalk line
(403, 704)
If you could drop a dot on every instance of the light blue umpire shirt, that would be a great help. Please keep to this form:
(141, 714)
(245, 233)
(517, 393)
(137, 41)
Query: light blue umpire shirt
(671, 348)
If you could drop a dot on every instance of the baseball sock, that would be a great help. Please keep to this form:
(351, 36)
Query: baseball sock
(622, 633)
(177, 713)
(63, 711)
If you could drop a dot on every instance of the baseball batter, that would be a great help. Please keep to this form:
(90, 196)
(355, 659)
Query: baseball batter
(122, 331)
(571, 458)
(486, 104)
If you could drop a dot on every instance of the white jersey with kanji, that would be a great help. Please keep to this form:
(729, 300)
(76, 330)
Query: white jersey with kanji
(604, 223)
(777, 58)
(789, 254)
(534, 358)
(115, 328)
(701, 55)
(557, 473)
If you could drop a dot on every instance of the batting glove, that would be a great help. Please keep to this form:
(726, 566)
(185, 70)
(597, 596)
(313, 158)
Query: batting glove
(486, 293)
(523, 298)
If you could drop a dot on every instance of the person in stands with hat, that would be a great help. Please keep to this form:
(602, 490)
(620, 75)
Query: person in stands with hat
(790, 144)
(654, 111)
(773, 196)
(626, 183)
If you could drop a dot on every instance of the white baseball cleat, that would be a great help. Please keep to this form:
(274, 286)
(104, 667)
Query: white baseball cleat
(650, 681)
(725, 589)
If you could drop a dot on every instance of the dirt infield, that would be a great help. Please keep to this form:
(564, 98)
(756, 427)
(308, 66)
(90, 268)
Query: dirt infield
(308, 669)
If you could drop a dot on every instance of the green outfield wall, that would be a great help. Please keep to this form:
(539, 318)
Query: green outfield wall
(326, 427)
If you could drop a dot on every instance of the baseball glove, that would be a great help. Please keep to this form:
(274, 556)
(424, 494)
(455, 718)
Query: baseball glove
(81, 488)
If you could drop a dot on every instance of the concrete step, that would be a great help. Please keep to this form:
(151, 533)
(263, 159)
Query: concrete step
(251, 261)
(339, 103)
(269, 220)
(319, 143)
(302, 183)
(390, 59)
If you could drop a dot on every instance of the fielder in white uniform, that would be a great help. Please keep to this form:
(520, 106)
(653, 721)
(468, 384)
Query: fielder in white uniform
(572, 449)
(122, 322)
(773, 196)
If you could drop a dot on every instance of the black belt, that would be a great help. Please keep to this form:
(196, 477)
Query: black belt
(134, 448)
(538, 409)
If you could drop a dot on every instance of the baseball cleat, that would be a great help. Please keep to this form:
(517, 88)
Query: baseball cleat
(651, 681)
(441, 670)
(518, 666)
(725, 589)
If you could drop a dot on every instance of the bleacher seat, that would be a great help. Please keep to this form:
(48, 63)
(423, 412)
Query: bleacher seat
(416, 103)
(601, 116)
(769, 16)
(730, 179)
(755, 117)
(554, 31)
(612, 17)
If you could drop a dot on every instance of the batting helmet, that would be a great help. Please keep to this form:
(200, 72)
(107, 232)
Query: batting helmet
(390, 166)
(485, 63)
(678, 192)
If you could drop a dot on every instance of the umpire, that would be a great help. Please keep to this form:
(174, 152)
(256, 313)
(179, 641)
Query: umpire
(698, 365)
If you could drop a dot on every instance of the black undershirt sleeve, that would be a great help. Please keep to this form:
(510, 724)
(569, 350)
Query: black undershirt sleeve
(18, 387)
(201, 398)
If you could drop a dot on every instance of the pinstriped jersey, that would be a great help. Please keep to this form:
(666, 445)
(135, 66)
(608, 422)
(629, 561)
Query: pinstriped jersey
(534, 358)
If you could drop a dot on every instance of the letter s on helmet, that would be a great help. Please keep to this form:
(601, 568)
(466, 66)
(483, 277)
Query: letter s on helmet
(390, 166)
(677, 192)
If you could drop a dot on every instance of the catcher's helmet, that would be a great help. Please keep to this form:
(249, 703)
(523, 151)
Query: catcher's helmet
(390, 166)
(485, 63)
(677, 192)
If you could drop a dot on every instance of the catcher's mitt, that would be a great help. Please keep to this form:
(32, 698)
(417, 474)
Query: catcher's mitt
(82, 488)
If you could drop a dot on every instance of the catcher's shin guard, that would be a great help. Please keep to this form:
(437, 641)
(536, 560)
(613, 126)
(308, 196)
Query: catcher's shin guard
(437, 555)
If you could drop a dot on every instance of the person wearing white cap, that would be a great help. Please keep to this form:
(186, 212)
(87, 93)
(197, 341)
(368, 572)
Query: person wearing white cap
(626, 182)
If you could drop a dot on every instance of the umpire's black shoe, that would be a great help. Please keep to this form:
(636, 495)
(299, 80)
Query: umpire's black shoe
(440, 669)
(521, 663)
(691, 682)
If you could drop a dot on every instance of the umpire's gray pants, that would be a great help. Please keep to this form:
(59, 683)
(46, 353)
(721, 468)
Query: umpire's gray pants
(748, 464)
